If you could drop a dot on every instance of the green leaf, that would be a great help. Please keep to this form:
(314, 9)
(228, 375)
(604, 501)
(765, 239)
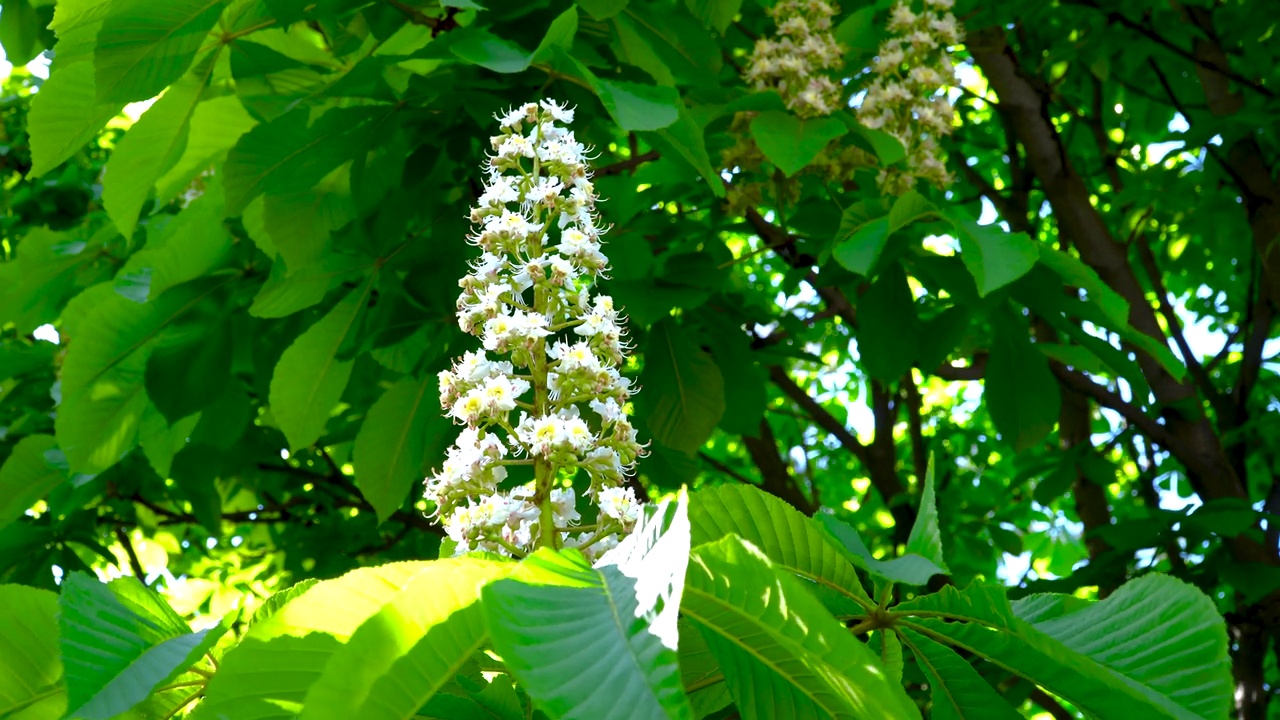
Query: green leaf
(788, 538)
(886, 645)
(215, 126)
(627, 605)
(958, 691)
(116, 650)
(1160, 632)
(193, 244)
(792, 143)
(639, 107)
(684, 391)
(309, 379)
(888, 328)
(864, 229)
(280, 599)
(289, 155)
(65, 115)
(267, 675)
(483, 48)
(151, 147)
(160, 441)
(782, 653)
(684, 140)
(103, 391)
(994, 257)
(990, 629)
(700, 672)
(559, 35)
(20, 31)
(189, 368)
(401, 655)
(602, 9)
(402, 434)
(715, 14)
(910, 569)
(886, 147)
(1075, 273)
(30, 669)
(926, 537)
(287, 292)
(1021, 392)
(859, 32)
(908, 208)
(145, 45)
(27, 476)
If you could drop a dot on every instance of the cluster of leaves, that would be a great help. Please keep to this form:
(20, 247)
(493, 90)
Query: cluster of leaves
(253, 297)
(728, 598)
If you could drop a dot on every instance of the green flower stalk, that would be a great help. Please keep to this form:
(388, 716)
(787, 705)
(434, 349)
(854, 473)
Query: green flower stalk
(552, 353)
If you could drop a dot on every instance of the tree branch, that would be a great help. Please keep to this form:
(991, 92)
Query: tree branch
(774, 473)
(622, 166)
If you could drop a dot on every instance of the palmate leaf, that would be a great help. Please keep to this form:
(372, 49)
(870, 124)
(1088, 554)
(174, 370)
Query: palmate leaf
(957, 690)
(401, 656)
(788, 538)
(782, 653)
(30, 670)
(1158, 619)
(120, 642)
(599, 643)
(268, 674)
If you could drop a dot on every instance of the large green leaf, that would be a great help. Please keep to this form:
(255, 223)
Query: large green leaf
(782, 653)
(792, 143)
(49, 267)
(403, 434)
(1158, 631)
(684, 390)
(994, 257)
(268, 674)
(119, 643)
(788, 538)
(958, 691)
(399, 657)
(627, 606)
(309, 379)
(144, 45)
(150, 148)
(1021, 393)
(26, 476)
(30, 670)
(863, 232)
(988, 627)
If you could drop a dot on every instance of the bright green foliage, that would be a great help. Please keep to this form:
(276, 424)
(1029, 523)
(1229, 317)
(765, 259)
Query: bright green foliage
(252, 281)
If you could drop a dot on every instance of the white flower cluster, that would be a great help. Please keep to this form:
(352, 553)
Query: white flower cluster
(904, 100)
(528, 298)
(794, 62)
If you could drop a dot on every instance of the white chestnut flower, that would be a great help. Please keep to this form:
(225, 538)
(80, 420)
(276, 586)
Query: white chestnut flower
(551, 349)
